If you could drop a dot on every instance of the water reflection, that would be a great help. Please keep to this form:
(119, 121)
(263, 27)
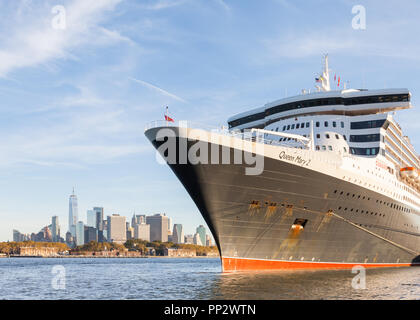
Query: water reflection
(189, 279)
(401, 283)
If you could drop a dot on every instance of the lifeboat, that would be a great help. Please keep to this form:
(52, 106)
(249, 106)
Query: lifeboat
(409, 172)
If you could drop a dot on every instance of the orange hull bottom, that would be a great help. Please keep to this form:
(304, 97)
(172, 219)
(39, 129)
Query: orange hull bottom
(240, 264)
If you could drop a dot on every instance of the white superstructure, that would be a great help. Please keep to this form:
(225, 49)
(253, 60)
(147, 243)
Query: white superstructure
(356, 124)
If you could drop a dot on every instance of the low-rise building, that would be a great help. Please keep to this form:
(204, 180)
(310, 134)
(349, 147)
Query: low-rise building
(38, 252)
(174, 252)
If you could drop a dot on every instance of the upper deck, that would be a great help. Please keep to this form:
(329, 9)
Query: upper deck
(342, 102)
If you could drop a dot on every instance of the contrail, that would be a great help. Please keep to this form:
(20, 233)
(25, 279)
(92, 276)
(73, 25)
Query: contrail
(150, 86)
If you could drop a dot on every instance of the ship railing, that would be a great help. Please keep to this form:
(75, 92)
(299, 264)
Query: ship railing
(223, 130)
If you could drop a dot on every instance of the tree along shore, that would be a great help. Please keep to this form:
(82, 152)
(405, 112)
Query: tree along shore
(143, 248)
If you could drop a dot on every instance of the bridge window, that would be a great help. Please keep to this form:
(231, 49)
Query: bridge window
(367, 124)
(365, 138)
(364, 151)
(334, 124)
(326, 124)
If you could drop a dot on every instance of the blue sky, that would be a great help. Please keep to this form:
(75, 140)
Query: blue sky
(74, 102)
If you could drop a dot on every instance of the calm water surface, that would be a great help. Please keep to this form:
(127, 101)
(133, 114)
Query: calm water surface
(169, 278)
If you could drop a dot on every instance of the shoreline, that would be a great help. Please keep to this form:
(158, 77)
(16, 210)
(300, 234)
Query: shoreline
(112, 257)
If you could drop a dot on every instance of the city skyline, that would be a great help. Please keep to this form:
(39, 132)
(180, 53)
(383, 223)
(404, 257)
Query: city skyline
(75, 102)
(95, 219)
(97, 212)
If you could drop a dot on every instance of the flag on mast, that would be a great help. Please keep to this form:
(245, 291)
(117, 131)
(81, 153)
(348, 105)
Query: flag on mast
(167, 118)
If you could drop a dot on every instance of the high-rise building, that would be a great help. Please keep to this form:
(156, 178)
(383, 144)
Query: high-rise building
(91, 234)
(201, 230)
(104, 230)
(99, 213)
(69, 239)
(208, 241)
(197, 239)
(178, 234)
(158, 227)
(138, 219)
(99, 225)
(142, 231)
(189, 239)
(18, 237)
(129, 231)
(91, 218)
(116, 229)
(55, 229)
(80, 233)
(73, 214)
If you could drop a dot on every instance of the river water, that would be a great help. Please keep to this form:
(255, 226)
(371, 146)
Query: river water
(191, 278)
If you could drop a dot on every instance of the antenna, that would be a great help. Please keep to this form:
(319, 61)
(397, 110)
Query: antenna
(324, 78)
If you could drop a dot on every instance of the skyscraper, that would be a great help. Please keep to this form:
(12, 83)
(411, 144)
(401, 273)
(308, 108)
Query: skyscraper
(142, 231)
(178, 234)
(80, 233)
(201, 230)
(17, 236)
(99, 224)
(73, 214)
(189, 239)
(91, 218)
(129, 230)
(55, 229)
(99, 212)
(91, 234)
(197, 239)
(116, 229)
(158, 227)
(209, 243)
(138, 219)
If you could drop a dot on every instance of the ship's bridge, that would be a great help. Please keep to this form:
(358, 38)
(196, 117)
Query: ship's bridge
(350, 102)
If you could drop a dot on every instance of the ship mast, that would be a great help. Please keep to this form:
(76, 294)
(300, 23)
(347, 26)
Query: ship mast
(324, 78)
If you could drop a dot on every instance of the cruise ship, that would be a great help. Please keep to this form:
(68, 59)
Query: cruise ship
(325, 179)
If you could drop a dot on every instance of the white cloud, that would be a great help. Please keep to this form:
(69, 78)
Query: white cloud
(164, 4)
(160, 90)
(35, 42)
